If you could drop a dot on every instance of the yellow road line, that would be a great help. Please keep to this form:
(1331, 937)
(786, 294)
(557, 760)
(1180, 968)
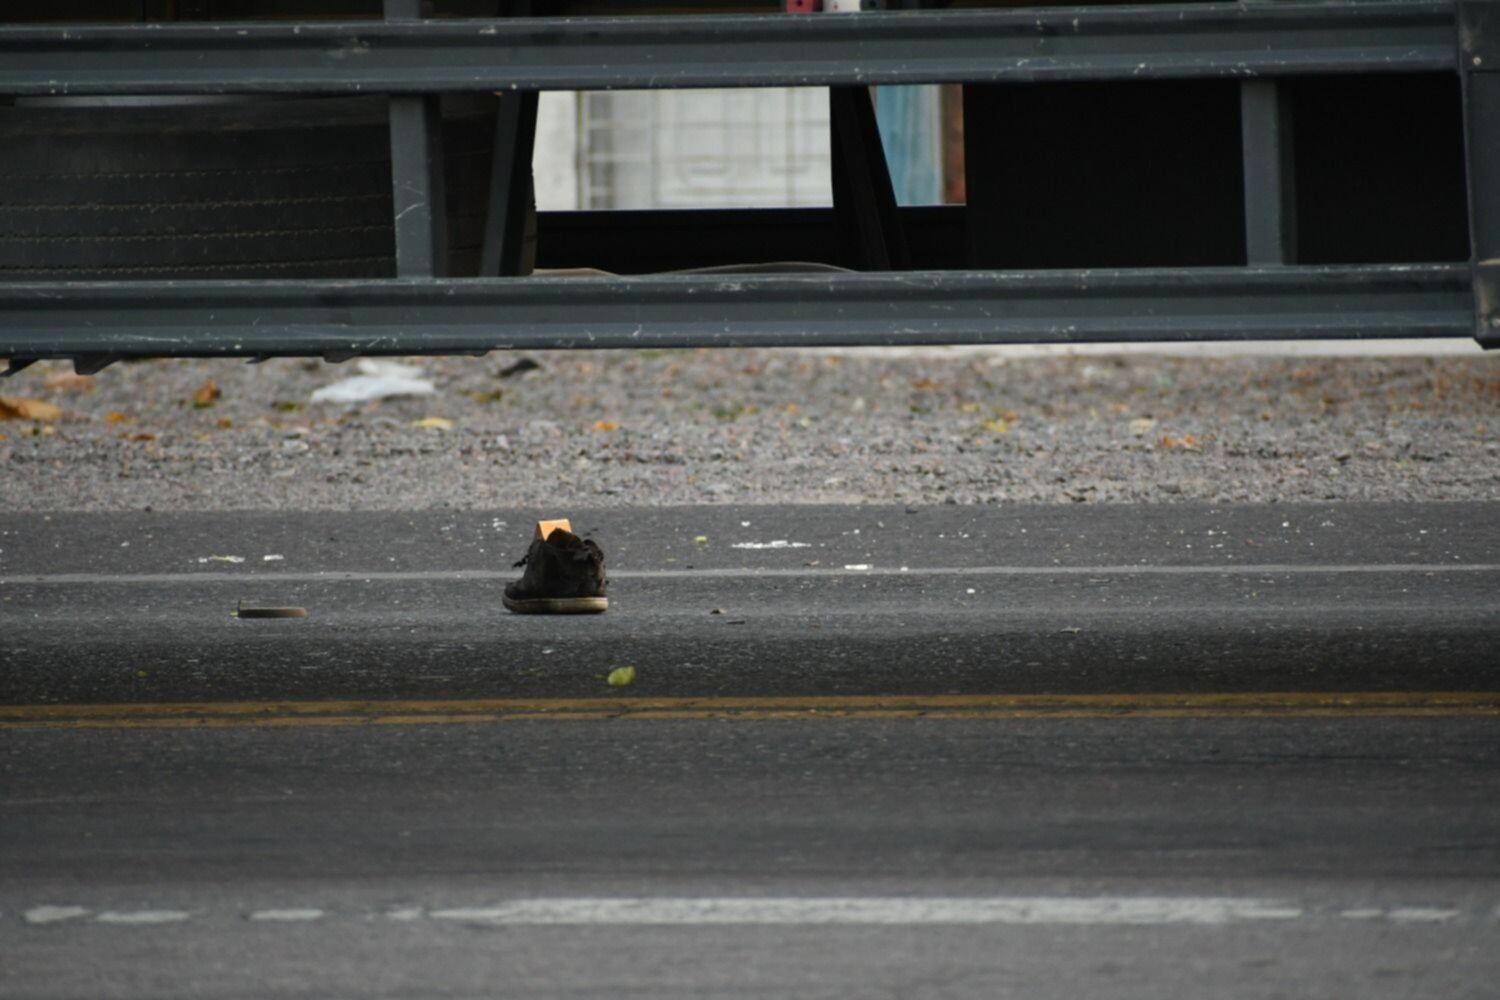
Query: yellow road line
(1341, 704)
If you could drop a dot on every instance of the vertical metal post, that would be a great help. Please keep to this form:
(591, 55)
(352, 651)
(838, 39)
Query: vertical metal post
(419, 201)
(1270, 180)
(1479, 62)
(509, 245)
(510, 225)
(864, 203)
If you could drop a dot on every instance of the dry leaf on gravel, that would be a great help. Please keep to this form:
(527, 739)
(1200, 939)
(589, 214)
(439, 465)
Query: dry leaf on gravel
(225, 423)
(21, 408)
(141, 436)
(118, 418)
(1140, 425)
(998, 426)
(493, 396)
(606, 425)
(206, 394)
(434, 423)
(70, 382)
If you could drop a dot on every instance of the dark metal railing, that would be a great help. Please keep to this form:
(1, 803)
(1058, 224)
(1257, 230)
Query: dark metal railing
(413, 61)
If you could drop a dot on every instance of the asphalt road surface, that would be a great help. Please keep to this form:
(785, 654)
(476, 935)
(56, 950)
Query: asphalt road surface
(1156, 751)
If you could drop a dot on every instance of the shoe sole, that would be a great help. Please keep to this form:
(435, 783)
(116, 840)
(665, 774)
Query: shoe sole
(557, 605)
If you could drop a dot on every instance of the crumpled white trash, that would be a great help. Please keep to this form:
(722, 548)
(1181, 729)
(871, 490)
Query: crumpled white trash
(377, 379)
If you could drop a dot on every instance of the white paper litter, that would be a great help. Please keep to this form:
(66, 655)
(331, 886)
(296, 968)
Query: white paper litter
(377, 379)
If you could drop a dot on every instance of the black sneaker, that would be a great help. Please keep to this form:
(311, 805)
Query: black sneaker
(564, 575)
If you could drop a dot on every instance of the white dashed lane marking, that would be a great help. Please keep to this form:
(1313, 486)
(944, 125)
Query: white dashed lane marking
(53, 914)
(143, 916)
(1421, 914)
(286, 916)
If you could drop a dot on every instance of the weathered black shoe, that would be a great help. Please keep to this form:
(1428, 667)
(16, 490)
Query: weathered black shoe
(564, 575)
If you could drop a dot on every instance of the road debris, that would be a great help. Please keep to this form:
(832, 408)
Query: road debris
(289, 611)
(205, 394)
(564, 574)
(35, 410)
(377, 379)
(519, 367)
(621, 677)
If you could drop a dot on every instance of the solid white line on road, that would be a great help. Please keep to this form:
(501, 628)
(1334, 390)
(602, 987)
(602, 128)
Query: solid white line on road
(143, 916)
(898, 911)
(736, 573)
(895, 911)
(286, 916)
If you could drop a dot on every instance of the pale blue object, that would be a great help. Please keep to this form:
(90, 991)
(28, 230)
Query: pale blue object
(912, 136)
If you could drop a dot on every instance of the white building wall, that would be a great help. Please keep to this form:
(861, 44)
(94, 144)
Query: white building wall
(554, 160)
(683, 149)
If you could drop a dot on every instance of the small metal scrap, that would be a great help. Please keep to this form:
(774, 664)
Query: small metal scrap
(240, 611)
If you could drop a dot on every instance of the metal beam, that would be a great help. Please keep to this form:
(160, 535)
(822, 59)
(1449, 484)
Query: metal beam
(1270, 174)
(210, 319)
(1480, 40)
(510, 226)
(454, 55)
(418, 195)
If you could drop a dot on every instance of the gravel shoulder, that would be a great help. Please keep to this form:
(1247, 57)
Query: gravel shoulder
(606, 429)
